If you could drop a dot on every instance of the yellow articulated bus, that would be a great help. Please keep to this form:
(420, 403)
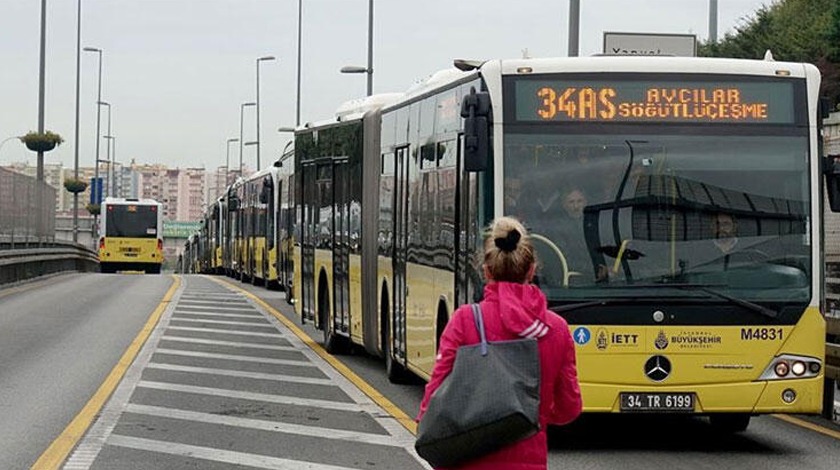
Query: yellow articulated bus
(212, 230)
(263, 228)
(675, 204)
(131, 235)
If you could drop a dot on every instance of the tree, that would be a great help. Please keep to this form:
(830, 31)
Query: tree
(795, 31)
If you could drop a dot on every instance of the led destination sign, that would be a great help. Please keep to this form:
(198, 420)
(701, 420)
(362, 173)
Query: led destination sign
(649, 100)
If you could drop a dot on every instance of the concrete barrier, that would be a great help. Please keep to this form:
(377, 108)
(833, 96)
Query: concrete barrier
(27, 261)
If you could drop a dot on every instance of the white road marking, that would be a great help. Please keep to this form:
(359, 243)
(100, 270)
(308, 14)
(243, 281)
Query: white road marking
(264, 425)
(236, 344)
(179, 313)
(218, 455)
(239, 373)
(224, 322)
(236, 357)
(217, 307)
(230, 332)
(265, 397)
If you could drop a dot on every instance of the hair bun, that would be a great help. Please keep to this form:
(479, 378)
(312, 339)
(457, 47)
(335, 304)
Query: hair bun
(509, 242)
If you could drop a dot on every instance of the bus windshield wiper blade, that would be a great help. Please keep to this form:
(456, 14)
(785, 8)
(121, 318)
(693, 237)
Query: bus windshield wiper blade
(705, 289)
(569, 307)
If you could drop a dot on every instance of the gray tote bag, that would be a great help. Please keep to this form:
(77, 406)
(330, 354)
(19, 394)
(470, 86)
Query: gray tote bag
(489, 400)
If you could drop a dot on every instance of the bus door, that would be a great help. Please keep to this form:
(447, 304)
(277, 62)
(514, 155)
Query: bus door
(279, 226)
(309, 239)
(287, 241)
(341, 245)
(267, 225)
(400, 247)
(466, 232)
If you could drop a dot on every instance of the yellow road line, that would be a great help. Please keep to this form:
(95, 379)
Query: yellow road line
(58, 451)
(360, 383)
(808, 425)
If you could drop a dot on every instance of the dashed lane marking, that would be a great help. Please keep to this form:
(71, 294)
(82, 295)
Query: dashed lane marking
(218, 455)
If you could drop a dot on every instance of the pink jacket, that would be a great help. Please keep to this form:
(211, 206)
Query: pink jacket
(512, 311)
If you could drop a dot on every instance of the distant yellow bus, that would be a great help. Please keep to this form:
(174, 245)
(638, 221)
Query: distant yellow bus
(131, 236)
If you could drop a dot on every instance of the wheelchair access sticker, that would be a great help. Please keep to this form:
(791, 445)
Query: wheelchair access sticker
(581, 335)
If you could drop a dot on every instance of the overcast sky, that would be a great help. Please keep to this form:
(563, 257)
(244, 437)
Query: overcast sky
(176, 71)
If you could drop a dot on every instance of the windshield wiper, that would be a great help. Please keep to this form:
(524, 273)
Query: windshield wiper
(579, 305)
(767, 312)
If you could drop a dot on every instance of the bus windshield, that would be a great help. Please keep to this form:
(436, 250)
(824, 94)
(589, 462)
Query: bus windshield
(131, 221)
(628, 215)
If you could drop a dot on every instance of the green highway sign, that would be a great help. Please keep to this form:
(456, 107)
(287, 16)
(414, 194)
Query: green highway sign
(175, 229)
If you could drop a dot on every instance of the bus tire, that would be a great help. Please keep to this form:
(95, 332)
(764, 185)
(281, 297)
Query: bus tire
(730, 422)
(106, 268)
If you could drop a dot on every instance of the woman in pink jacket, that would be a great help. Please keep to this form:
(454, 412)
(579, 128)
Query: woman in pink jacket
(513, 308)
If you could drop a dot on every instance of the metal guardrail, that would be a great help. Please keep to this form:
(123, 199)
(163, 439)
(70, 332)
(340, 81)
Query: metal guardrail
(27, 261)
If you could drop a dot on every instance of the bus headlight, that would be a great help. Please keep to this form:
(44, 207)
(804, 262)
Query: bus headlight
(788, 366)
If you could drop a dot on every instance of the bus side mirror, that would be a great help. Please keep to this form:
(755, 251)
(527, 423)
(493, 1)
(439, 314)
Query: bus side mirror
(831, 169)
(475, 109)
(233, 203)
(825, 107)
(265, 191)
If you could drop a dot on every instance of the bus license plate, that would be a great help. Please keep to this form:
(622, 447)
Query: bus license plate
(653, 402)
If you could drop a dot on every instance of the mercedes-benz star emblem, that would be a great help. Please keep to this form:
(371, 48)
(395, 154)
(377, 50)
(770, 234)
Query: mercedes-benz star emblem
(658, 368)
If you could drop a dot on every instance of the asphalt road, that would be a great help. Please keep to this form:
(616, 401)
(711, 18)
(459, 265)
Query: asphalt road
(635, 442)
(59, 339)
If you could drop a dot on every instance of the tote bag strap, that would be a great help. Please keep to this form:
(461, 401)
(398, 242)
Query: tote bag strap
(479, 324)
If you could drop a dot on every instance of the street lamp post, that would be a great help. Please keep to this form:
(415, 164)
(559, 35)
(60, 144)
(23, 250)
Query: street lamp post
(108, 177)
(227, 160)
(241, 130)
(107, 150)
(300, 27)
(112, 166)
(41, 90)
(258, 106)
(95, 188)
(574, 27)
(76, 139)
(369, 69)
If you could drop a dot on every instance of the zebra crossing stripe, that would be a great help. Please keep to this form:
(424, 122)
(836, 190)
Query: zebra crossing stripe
(217, 455)
(264, 425)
